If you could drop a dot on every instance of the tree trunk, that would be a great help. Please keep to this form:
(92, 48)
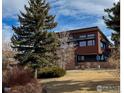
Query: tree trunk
(35, 73)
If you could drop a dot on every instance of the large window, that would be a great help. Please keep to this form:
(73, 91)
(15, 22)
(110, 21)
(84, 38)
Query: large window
(87, 43)
(102, 45)
(86, 58)
(101, 58)
(91, 42)
(80, 58)
(82, 43)
(83, 36)
(91, 35)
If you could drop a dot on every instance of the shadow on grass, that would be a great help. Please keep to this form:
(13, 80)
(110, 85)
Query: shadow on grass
(71, 86)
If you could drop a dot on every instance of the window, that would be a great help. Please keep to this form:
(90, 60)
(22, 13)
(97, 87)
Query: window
(80, 58)
(91, 42)
(97, 57)
(102, 57)
(102, 45)
(86, 58)
(82, 43)
(91, 35)
(82, 36)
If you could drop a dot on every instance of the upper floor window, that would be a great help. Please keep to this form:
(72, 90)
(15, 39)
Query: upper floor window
(82, 43)
(103, 45)
(91, 35)
(91, 42)
(83, 36)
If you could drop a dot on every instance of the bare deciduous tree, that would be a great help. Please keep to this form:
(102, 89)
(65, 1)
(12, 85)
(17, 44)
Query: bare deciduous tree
(6, 46)
(115, 61)
(66, 50)
(7, 55)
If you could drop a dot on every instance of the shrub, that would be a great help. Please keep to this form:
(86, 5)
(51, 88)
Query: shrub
(17, 76)
(114, 60)
(21, 80)
(28, 88)
(51, 72)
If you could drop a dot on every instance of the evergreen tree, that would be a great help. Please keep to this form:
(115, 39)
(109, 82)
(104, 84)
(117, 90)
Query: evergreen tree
(32, 39)
(112, 21)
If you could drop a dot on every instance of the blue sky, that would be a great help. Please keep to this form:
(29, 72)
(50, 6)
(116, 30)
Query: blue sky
(70, 14)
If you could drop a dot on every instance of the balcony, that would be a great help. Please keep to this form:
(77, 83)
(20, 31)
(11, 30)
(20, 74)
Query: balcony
(73, 39)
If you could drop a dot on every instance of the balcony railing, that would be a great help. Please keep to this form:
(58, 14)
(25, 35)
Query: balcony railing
(81, 38)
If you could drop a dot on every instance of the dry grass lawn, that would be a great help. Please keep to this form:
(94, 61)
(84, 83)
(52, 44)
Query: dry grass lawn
(83, 81)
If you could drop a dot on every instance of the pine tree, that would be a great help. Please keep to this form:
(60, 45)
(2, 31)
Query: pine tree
(32, 39)
(112, 21)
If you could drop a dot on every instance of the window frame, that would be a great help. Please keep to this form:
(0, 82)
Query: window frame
(83, 36)
(91, 35)
(80, 59)
(102, 45)
(93, 43)
(81, 45)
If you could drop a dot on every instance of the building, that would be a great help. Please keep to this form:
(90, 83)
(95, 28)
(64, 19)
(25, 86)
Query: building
(91, 45)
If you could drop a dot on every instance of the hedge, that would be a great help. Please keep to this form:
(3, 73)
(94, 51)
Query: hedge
(51, 72)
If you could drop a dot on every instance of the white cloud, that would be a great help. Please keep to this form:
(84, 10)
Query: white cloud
(6, 33)
(64, 7)
(10, 8)
(74, 7)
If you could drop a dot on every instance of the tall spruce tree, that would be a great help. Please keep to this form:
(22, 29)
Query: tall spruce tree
(32, 39)
(112, 21)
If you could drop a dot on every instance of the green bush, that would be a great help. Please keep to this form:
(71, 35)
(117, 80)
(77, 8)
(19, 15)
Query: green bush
(51, 72)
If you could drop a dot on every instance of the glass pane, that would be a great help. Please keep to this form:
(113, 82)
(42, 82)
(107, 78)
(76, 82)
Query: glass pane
(93, 42)
(82, 36)
(102, 45)
(79, 58)
(82, 43)
(82, 57)
(90, 43)
(91, 35)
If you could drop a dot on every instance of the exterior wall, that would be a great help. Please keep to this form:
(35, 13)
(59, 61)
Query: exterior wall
(87, 50)
(102, 50)
(99, 38)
